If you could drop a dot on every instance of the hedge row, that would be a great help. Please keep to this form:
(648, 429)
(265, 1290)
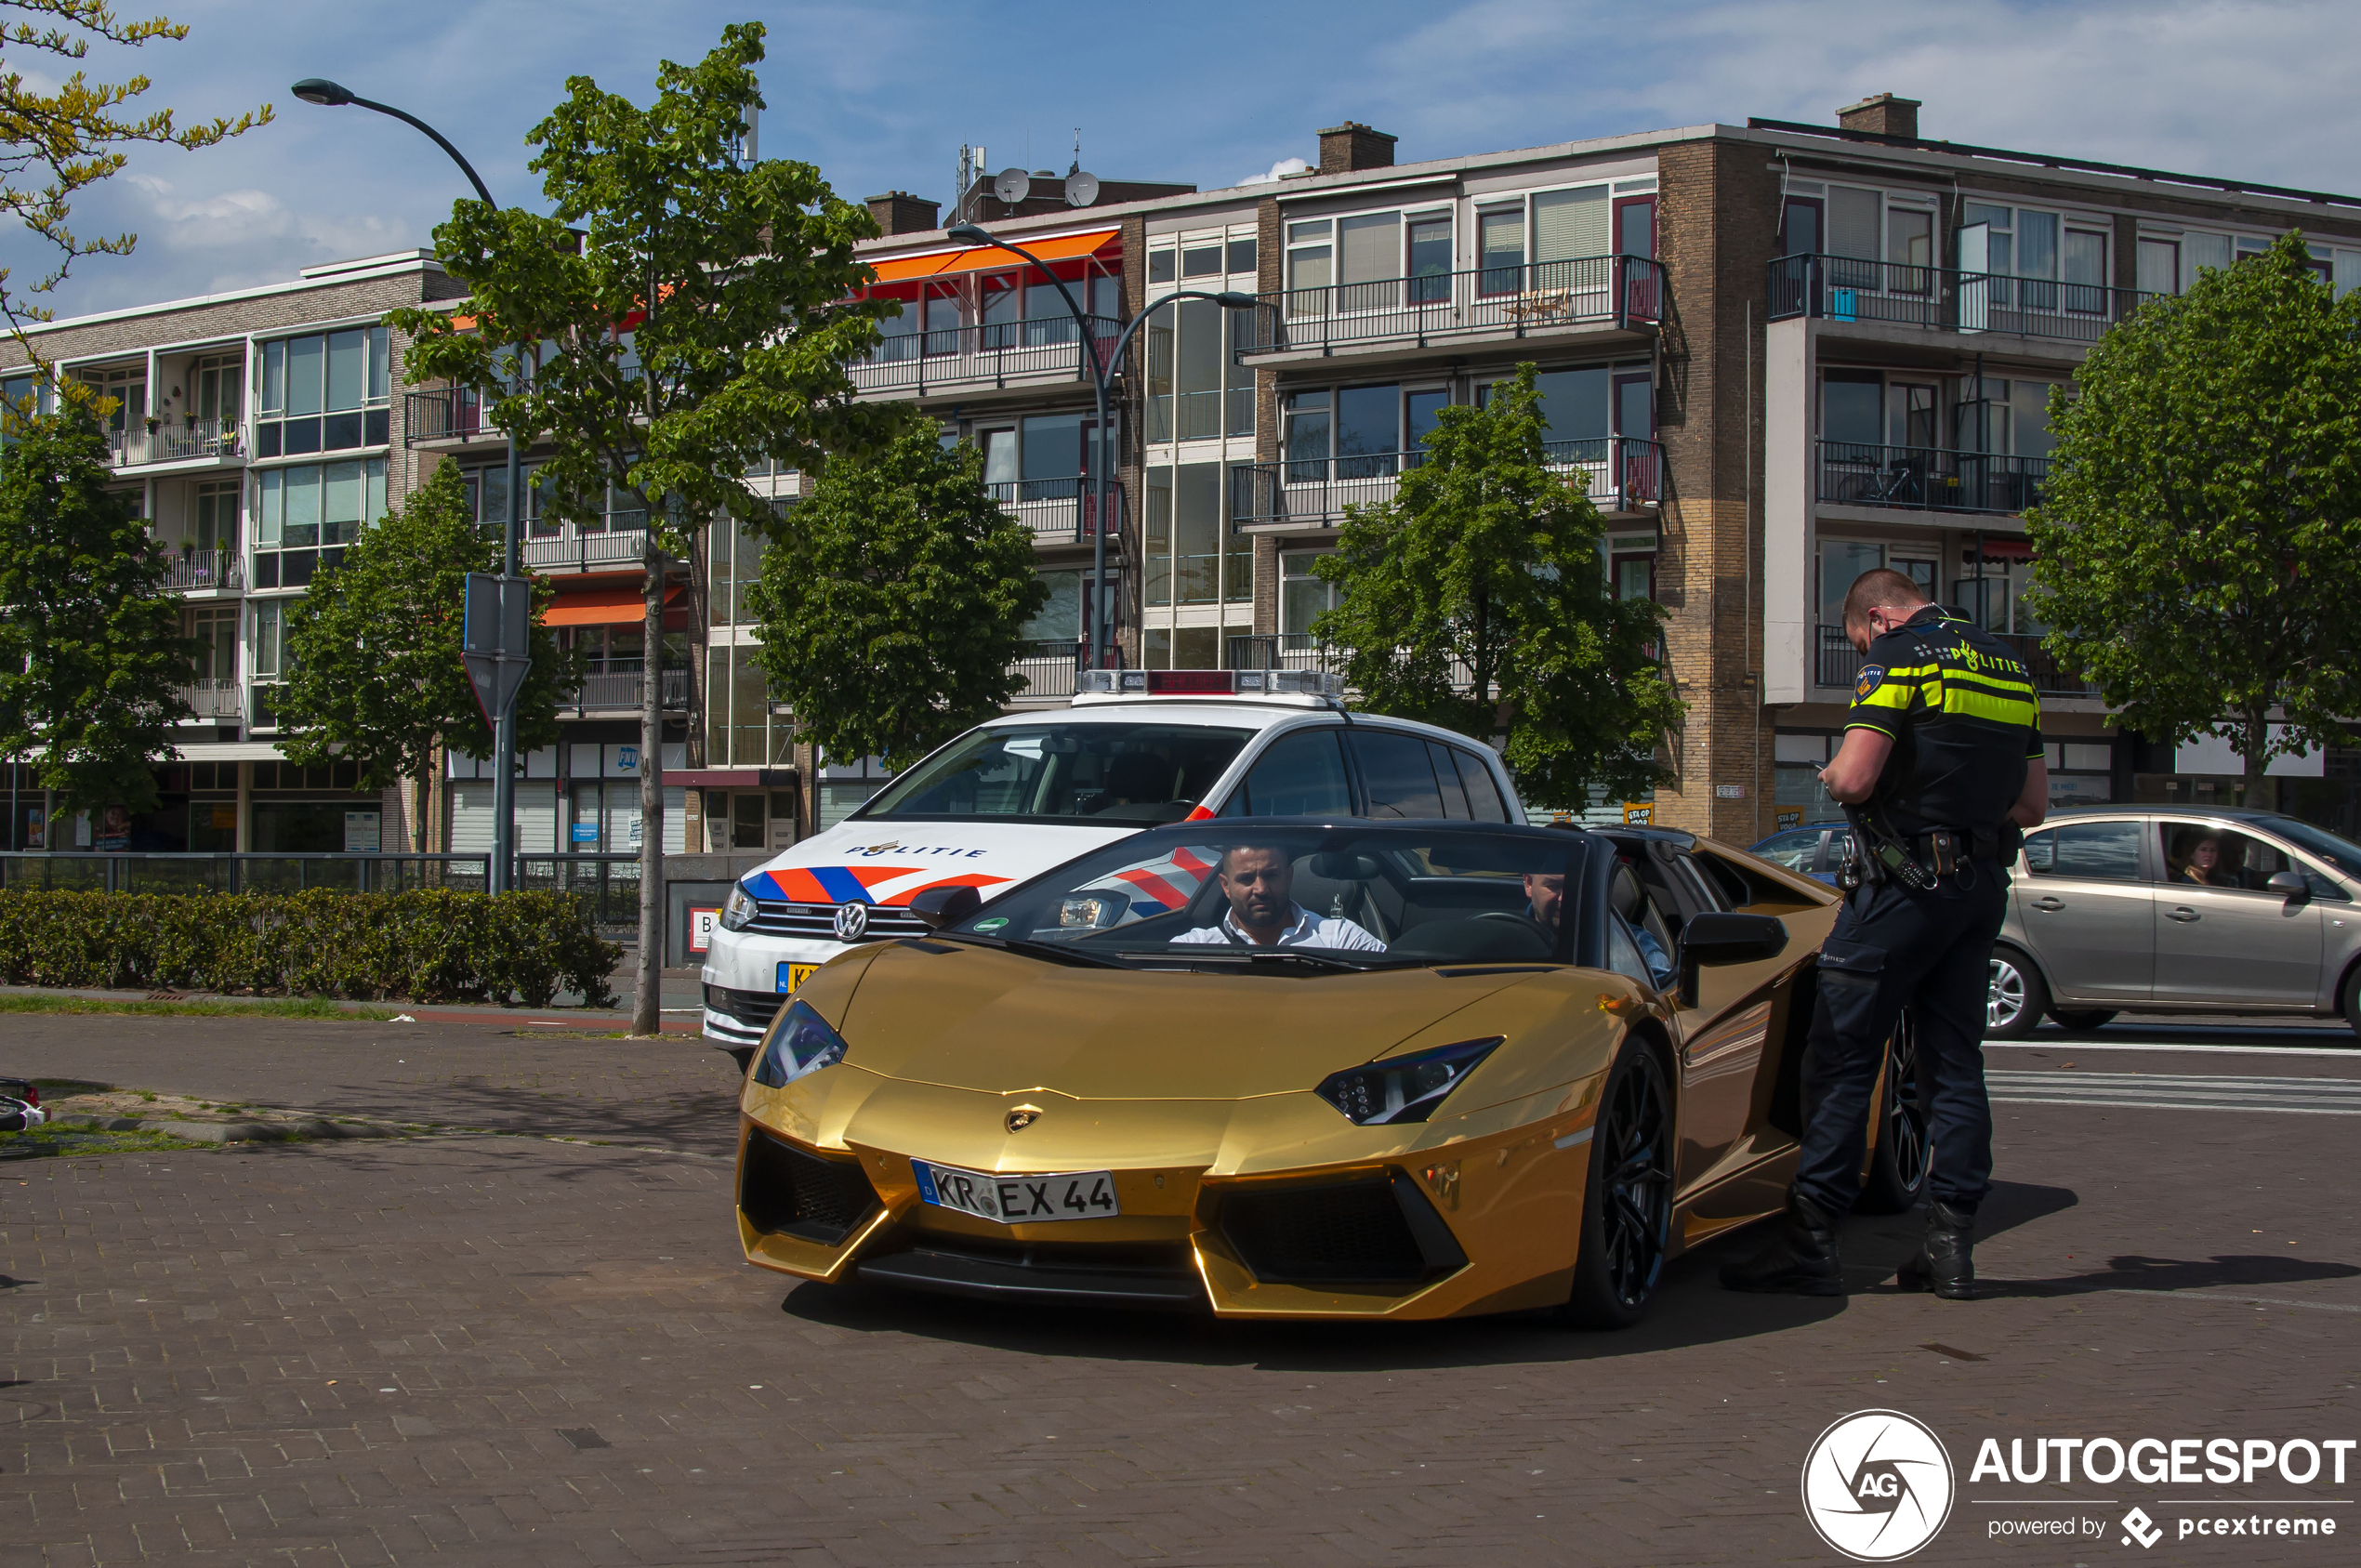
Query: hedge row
(428, 945)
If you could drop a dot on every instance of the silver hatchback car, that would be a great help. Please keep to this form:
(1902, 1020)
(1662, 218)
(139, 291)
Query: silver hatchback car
(2168, 908)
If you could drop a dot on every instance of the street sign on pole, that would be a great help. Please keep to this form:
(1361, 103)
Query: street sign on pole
(495, 639)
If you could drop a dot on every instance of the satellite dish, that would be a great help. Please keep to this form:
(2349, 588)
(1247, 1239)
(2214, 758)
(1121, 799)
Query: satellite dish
(1081, 189)
(1012, 186)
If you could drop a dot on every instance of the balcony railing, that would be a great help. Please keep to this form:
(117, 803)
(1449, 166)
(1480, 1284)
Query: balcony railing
(212, 697)
(1838, 663)
(607, 691)
(1839, 288)
(1924, 479)
(1511, 301)
(1060, 511)
(624, 541)
(170, 441)
(987, 354)
(445, 413)
(203, 569)
(1048, 668)
(1624, 473)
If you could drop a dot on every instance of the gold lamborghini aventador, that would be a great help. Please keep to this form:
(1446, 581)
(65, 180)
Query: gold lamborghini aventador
(1286, 1068)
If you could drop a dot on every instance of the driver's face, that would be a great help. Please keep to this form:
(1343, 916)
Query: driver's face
(1259, 885)
(1545, 894)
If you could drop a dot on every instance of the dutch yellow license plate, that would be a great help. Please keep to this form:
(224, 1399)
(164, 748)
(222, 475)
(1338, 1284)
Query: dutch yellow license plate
(793, 975)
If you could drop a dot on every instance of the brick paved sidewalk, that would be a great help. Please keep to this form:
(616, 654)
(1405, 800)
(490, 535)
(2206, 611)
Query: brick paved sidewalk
(504, 1350)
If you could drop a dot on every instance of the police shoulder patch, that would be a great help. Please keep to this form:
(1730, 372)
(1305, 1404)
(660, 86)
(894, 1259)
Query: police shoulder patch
(1870, 680)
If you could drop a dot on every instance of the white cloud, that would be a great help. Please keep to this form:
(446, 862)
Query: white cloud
(1279, 170)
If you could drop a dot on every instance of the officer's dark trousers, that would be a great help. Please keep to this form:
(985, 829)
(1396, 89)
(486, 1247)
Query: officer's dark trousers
(1894, 946)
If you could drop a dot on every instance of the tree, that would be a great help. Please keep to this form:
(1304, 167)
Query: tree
(91, 654)
(61, 142)
(374, 674)
(1477, 598)
(2197, 543)
(699, 323)
(890, 612)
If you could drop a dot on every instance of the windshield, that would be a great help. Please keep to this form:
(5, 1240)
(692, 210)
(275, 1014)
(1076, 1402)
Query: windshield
(1327, 895)
(1140, 773)
(2342, 853)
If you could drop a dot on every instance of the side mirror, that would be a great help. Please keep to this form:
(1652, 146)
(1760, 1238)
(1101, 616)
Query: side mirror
(1727, 939)
(2290, 885)
(937, 907)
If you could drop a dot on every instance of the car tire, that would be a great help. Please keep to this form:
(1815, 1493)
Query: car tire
(743, 1056)
(1626, 1201)
(1900, 1161)
(2083, 1018)
(2017, 997)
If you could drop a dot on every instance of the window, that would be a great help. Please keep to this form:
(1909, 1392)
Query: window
(1311, 267)
(1201, 262)
(305, 506)
(1301, 775)
(1851, 412)
(215, 523)
(222, 380)
(323, 393)
(736, 564)
(1303, 597)
(1161, 268)
(2092, 851)
(269, 640)
(1842, 561)
(1484, 791)
(1429, 272)
(740, 731)
(2085, 268)
(2159, 265)
(1397, 774)
(1996, 600)
(1307, 424)
(1368, 260)
(1368, 430)
(1500, 236)
(1061, 619)
(1241, 255)
(215, 627)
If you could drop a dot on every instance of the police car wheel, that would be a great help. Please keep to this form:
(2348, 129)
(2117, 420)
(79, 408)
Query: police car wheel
(1898, 1164)
(2013, 1004)
(1627, 1203)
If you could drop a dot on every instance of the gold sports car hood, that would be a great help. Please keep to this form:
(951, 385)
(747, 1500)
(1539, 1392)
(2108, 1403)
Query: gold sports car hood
(974, 1018)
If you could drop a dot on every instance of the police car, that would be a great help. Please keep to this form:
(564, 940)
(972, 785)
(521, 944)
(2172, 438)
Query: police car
(1014, 797)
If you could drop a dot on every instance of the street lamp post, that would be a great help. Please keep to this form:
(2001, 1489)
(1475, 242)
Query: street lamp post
(499, 874)
(970, 234)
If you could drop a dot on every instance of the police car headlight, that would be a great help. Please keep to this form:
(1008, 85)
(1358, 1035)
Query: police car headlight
(800, 1044)
(1403, 1088)
(738, 909)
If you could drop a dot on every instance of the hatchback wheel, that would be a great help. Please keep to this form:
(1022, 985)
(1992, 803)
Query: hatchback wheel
(2017, 997)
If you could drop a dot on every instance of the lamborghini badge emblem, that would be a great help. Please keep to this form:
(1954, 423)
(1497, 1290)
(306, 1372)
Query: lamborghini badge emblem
(1023, 1117)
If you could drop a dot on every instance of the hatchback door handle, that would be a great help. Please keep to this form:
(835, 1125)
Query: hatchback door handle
(2181, 912)
(2049, 903)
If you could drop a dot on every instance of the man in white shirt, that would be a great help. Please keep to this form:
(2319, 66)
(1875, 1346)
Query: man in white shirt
(1260, 884)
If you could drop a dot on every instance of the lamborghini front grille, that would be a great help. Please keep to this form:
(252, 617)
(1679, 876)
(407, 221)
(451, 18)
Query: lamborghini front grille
(791, 1192)
(1351, 1232)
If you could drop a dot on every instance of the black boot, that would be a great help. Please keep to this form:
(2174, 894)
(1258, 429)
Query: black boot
(1945, 1260)
(1802, 1261)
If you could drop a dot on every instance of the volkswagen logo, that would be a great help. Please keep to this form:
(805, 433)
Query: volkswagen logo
(1023, 1117)
(852, 921)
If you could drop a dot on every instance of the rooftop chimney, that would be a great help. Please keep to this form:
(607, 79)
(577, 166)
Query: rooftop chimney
(898, 212)
(1882, 115)
(1354, 146)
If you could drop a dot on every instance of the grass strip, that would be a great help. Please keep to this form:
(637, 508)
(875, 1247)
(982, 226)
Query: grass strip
(266, 1006)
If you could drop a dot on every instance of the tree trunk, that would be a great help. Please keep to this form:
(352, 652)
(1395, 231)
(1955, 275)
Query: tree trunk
(421, 791)
(647, 999)
(2258, 783)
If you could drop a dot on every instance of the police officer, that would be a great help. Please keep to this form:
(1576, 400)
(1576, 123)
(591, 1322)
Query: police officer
(1940, 770)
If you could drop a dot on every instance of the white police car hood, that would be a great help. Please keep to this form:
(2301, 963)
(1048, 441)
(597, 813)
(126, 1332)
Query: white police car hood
(888, 864)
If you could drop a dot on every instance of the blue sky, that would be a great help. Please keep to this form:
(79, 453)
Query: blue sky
(880, 95)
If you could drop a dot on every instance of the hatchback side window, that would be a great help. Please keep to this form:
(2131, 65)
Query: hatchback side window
(2088, 851)
(1301, 775)
(1446, 778)
(1396, 772)
(1483, 794)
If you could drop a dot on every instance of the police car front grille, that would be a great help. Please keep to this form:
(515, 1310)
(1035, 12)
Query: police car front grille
(818, 921)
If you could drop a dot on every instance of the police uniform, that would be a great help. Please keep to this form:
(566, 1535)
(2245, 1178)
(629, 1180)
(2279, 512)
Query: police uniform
(1965, 721)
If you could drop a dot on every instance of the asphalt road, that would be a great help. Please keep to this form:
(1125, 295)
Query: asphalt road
(498, 1348)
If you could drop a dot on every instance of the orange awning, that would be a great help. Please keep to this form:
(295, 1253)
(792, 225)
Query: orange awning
(623, 605)
(942, 263)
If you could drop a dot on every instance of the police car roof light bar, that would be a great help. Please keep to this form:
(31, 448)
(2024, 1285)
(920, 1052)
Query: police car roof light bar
(1208, 683)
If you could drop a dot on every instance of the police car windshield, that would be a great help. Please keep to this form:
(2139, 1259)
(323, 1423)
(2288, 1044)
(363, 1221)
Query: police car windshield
(1140, 774)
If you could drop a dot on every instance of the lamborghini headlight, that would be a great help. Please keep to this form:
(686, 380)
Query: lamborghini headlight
(1403, 1088)
(801, 1043)
(738, 909)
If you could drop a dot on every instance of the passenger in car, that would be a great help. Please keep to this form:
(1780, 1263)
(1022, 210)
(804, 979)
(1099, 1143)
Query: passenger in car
(1258, 882)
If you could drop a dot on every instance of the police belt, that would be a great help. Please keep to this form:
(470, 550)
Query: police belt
(1922, 858)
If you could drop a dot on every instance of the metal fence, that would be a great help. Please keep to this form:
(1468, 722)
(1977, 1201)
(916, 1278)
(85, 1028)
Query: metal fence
(626, 688)
(1048, 668)
(983, 355)
(1059, 510)
(1516, 300)
(1624, 473)
(170, 443)
(194, 568)
(1926, 479)
(1837, 662)
(445, 413)
(1840, 288)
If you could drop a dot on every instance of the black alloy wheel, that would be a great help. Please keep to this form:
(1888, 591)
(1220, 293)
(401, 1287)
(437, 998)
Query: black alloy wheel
(1627, 1203)
(1898, 1165)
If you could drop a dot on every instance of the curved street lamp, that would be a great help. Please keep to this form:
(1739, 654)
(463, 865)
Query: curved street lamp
(333, 95)
(970, 234)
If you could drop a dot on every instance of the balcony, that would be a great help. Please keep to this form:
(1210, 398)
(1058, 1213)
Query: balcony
(1059, 511)
(622, 542)
(1838, 663)
(193, 571)
(1926, 480)
(624, 690)
(213, 698)
(1624, 474)
(1299, 650)
(445, 414)
(1503, 302)
(996, 354)
(1838, 288)
(1048, 669)
(191, 441)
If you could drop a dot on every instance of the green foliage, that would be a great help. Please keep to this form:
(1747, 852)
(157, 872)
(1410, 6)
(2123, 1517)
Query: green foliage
(891, 614)
(376, 677)
(91, 656)
(2197, 547)
(1486, 568)
(428, 945)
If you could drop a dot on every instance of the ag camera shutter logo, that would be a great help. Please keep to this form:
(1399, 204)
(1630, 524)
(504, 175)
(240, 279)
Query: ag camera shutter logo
(1878, 1485)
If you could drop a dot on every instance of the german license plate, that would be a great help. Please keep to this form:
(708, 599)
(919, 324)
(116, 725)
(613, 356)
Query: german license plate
(793, 975)
(1018, 1200)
